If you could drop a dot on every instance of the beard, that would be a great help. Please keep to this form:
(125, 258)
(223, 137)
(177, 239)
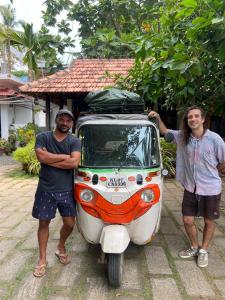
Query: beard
(63, 129)
(195, 126)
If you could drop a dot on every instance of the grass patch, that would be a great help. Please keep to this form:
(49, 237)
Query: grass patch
(175, 273)
(15, 284)
(20, 174)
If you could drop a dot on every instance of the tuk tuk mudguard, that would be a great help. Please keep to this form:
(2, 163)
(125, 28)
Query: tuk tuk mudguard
(114, 239)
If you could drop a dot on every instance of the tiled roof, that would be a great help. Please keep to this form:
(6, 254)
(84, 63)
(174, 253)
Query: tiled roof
(5, 92)
(85, 75)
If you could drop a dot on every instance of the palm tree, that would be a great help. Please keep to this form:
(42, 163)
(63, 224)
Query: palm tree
(27, 41)
(9, 22)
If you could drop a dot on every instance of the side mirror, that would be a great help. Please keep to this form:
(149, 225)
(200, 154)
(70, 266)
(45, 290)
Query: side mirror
(165, 172)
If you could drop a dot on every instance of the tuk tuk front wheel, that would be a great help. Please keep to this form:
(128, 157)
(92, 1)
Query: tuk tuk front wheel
(115, 269)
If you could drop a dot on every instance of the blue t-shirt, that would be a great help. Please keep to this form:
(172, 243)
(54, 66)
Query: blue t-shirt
(52, 179)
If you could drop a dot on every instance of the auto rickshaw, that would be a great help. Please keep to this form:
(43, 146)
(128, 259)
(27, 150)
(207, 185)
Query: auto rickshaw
(118, 185)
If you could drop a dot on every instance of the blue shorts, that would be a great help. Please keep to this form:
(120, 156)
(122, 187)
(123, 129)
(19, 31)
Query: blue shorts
(46, 203)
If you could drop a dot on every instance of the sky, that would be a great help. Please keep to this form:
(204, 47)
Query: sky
(30, 12)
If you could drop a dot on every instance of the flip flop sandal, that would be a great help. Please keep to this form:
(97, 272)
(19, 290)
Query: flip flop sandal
(63, 257)
(40, 270)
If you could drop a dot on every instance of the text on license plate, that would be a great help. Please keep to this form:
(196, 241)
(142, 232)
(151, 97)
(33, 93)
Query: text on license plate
(116, 182)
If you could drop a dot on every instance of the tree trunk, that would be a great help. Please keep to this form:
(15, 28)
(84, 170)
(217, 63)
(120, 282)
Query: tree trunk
(30, 74)
(9, 58)
(114, 22)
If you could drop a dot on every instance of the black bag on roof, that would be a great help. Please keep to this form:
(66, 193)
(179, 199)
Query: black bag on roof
(114, 101)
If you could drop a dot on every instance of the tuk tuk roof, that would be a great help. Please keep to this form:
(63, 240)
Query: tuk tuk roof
(92, 117)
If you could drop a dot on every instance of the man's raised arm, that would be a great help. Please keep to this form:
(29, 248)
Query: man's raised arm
(162, 127)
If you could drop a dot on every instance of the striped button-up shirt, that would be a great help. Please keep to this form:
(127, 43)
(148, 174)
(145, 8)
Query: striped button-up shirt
(196, 162)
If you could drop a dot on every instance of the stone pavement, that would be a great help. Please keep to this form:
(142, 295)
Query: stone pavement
(150, 272)
(6, 161)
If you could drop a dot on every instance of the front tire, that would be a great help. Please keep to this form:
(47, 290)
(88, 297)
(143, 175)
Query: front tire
(115, 269)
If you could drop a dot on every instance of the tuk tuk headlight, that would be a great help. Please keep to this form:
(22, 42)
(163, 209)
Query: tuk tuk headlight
(87, 195)
(147, 195)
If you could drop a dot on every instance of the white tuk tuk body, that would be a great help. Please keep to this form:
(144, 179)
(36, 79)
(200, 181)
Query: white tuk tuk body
(118, 185)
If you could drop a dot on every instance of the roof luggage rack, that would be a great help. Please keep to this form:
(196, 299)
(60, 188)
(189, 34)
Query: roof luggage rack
(114, 101)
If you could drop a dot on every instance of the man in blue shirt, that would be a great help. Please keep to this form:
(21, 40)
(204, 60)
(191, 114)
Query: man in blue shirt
(59, 153)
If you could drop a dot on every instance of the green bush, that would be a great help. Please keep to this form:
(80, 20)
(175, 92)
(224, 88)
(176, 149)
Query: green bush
(20, 73)
(27, 133)
(26, 155)
(168, 151)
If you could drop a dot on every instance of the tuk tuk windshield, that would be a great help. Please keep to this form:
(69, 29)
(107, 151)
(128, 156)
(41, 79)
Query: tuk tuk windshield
(122, 146)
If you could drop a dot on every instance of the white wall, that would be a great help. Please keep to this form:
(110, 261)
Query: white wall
(19, 116)
(40, 119)
(23, 115)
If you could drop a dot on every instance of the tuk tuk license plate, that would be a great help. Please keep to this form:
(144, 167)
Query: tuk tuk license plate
(116, 182)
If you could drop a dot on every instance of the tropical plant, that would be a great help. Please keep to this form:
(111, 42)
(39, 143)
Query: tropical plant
(26, 133)
(180, 59)
(168, 152)
(26, 155)
(19, 73)
(51, 46)
(9, 21)
(107, 27)
(27, 40)
(179, 46)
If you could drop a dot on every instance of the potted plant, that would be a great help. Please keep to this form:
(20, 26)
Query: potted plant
(3, 144)
(8, 148)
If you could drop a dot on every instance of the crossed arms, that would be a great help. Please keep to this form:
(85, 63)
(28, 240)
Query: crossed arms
(61, 161)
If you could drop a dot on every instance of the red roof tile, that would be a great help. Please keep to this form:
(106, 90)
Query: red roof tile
(7, 92)
(85, 75)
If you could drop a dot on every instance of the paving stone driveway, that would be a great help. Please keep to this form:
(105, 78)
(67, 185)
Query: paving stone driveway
(150, 272)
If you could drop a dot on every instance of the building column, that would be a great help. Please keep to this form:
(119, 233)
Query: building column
(48, 113)
(70, 104)
(4, 121)
(70, 108)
